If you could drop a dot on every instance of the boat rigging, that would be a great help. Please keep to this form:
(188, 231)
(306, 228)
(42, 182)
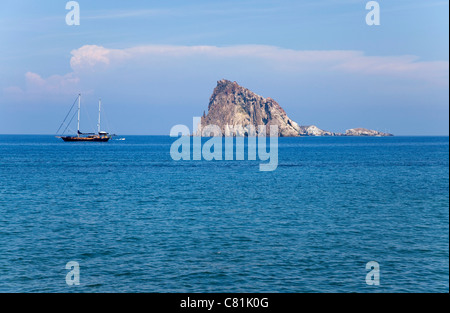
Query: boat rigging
(100, 136)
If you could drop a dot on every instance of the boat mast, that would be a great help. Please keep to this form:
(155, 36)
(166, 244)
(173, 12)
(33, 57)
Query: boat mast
(99, 114)
(79, 109)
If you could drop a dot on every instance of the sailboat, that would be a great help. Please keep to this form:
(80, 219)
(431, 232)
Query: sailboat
(100, 136)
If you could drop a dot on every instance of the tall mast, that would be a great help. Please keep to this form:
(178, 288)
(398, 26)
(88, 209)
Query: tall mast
(79, 109)
(99, 114)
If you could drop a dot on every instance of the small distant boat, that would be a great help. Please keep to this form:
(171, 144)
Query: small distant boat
(100, 136)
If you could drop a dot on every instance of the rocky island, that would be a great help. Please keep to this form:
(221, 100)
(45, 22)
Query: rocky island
(234, 108)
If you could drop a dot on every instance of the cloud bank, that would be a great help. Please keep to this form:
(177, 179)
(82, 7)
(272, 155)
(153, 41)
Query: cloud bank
(97, 60)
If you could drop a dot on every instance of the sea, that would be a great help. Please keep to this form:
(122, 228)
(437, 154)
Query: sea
(136, 221)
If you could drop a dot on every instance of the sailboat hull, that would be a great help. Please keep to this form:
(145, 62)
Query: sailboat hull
(86, 139)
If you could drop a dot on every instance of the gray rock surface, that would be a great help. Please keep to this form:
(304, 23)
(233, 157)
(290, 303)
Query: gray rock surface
(234, 108)
(365, 132)
(237, 111)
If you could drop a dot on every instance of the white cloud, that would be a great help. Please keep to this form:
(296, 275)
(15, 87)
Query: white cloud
(35, 85)
(13, 90)
(90, 60)
(55, 84)
(88, 57)
(407, 66)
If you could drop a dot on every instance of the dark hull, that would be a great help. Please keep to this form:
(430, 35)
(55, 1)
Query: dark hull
(86, 139)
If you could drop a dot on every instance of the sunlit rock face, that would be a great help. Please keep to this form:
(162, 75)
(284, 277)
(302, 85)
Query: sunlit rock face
(238, 111)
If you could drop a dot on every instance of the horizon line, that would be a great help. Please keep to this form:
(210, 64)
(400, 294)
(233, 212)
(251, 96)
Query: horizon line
(166, 135)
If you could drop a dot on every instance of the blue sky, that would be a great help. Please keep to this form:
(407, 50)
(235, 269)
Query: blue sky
(156, 63)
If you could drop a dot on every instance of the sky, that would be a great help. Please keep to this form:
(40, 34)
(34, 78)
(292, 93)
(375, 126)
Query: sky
(155, 64)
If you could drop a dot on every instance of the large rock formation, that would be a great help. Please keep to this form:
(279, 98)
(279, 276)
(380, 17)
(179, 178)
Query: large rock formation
(234, 108)
(238, 111)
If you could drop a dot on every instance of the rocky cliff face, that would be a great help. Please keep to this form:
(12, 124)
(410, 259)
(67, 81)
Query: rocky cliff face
(314, 131)
(238, 111)
(234, 108)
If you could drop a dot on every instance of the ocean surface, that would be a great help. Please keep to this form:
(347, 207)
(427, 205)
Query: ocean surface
(137, 221)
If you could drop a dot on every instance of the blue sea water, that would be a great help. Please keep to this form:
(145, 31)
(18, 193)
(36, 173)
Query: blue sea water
(137, 221)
